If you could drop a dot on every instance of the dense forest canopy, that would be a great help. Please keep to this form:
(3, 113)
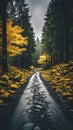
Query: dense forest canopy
(16, 34)
(57, 36)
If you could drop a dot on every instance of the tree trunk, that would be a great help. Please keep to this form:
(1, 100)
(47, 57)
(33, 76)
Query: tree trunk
(54, 60)
(46, 59)
(4, 42)
(51, 61)
(57, 59)
(66, 21)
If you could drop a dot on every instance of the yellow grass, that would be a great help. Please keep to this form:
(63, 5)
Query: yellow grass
(11, 81)
(61, 77)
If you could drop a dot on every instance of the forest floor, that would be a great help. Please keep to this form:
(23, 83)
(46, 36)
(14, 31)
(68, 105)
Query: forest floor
(60, 78)
(11, 82)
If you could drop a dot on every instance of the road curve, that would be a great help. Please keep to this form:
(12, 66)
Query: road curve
(37, 110)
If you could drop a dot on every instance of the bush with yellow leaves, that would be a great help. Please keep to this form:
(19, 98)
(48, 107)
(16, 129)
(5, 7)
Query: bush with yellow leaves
(61, 77)
(11, 81)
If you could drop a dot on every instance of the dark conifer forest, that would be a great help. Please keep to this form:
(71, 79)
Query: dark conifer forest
(36, 72)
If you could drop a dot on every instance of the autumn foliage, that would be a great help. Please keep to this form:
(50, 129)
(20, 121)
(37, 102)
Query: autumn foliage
(16, 43)
(11, 82)
(61, 79)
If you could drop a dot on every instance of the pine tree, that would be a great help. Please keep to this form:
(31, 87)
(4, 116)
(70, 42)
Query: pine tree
(57, 30)
(22, 18)
(4, 40)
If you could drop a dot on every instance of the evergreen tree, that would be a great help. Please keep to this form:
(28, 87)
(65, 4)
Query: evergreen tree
(37, 53)
(21, 16)
(57, 30)
(4, 41)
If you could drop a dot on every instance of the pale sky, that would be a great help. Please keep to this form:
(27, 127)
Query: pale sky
(38, 10)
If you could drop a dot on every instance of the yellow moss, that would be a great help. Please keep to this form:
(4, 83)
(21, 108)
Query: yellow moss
(53, 71)
(65, 65)
(22, 81)
(14, 86)
(61, 78)
(18, 76)
(32, 67)
(11, 91)
(68, 87)
(66, 93)
(3, 83)
(5, 94)
(1, 102)
(5, 78)
(11, 81)
(2, 90)
(67, 79)
(70, 98)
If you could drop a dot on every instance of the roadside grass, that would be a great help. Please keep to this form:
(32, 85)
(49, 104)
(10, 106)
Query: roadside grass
(61, 79)
(10, 82)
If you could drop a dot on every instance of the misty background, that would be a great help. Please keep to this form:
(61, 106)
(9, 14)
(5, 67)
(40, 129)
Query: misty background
(38, 10)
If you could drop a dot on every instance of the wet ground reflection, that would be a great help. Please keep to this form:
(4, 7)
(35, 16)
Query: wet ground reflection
(37, 110)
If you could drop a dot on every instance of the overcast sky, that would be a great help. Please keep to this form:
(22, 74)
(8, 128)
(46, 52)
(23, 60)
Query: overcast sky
(38, 9)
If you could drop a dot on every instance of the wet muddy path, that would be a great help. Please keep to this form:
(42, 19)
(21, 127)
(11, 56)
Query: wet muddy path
(37, 110)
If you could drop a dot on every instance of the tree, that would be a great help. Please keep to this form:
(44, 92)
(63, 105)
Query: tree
(16, 43)
(57, 30)
(4, 40)
(15, 40)
(37, 53)
(66, 11)
(20, 15)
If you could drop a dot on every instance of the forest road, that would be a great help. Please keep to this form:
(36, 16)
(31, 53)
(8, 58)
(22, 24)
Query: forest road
(37, 110)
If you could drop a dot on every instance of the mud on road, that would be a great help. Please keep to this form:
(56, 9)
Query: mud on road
(37, 110)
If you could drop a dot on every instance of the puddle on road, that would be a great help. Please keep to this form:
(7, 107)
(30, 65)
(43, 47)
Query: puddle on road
(37, 110)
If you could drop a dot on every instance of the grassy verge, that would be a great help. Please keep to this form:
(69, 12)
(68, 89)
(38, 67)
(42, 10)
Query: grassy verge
(61, 78)
(11, 82)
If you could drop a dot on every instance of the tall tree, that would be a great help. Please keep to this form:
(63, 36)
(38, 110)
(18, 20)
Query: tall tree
(21, 17)
(57, 30)
(4, 41)
(15, 40)
(66, 11)
(37, 53)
